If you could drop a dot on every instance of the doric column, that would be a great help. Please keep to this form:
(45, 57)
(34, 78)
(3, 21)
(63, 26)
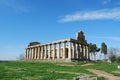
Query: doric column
(87, 53)
(45, 56)
(41, 52)
(26, 54)
(69, 50)
(29, 54)
(38, 53)
(64, 49)
(74, 51)
(49, 53)
(58, 56)
(54, 50)
(35, 52)
(78, 49)
(84, 52)
(32, 53)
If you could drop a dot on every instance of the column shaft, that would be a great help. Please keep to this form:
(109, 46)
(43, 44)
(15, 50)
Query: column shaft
(84, 52)
(38, 53)
(58, 51)
(32, 53)
(69, 52)
(35, 52)
(73, 51)
(29, 53)
(54, 50)
(49, 53)
(26, 55)
(87, 53)
(41, 52)
(64, 50)
(45, 51)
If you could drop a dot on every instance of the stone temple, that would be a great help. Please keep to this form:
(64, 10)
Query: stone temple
(61, 50)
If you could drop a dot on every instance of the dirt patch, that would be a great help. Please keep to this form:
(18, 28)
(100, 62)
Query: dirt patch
(87, 64)
(65, 65)
(68, 72)
(106, 75)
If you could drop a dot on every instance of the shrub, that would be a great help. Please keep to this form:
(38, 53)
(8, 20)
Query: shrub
(112, 58)
(118, 59)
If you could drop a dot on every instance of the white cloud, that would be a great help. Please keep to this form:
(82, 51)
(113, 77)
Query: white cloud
(16, 5)
(106, 1)
(113, 14)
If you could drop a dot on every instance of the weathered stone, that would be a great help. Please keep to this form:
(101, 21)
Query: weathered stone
(65, 50)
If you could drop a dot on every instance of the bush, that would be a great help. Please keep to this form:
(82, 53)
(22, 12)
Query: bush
(112, 58)
(118, 59)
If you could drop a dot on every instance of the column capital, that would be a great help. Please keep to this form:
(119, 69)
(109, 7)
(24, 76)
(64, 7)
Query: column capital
(64, 41)
(54, 43)
(59, 42)
(69, 40)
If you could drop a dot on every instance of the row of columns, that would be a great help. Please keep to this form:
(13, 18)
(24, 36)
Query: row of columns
(69, 50)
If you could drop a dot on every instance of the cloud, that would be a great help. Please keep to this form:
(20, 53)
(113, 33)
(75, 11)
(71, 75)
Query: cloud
(114, 38)
(104, 2)
(16, 5)
(113, 14)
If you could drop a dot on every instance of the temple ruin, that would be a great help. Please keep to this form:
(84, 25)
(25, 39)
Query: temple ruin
(61, 50)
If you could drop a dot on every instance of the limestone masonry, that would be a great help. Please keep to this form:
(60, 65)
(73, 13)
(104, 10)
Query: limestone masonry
(61, 50)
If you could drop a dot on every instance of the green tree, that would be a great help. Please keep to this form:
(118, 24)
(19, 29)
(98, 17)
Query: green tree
(21, 57)
(93, 49)
(89, 50)
(104, 49)
(112, 58)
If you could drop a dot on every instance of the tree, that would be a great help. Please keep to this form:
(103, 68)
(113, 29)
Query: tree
(93, 49)
(112, 58)
(90, 49)
(118, 59)
(21, 57)
(112, 54)
(104, 49)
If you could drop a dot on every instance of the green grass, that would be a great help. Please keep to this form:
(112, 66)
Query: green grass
(107, 67)
(17, 70)
(21, 70)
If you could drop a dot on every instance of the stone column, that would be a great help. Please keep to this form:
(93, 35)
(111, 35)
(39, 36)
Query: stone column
(64, 49)
(58, 50)
(45, 51)
(38, 53)
(54, 50)
(87, 54)
(29, 54)
(32, 53)
(35, 52)
(78, 49)
(42, 52)
(49, 53)
(69, 50)
(26, 54)
(74, 51)
(84, 52)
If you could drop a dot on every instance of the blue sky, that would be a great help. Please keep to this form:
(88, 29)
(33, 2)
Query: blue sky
(24, 21)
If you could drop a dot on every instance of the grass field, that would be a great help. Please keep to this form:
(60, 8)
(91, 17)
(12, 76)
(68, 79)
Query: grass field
(107, 67)
(20, 70)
